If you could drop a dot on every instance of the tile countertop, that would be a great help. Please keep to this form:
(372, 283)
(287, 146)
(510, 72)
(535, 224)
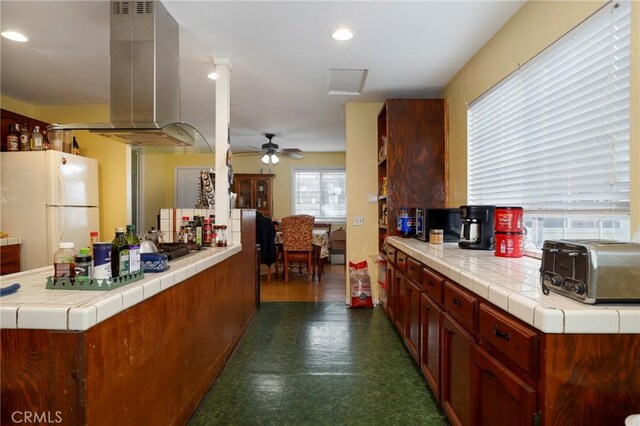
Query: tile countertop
(514, 285)
(35, 307)
(9, 241)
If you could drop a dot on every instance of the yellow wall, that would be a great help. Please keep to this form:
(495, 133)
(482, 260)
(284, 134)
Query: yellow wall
(534, 27)
(362, 181)
(111, 156)
(250, 163)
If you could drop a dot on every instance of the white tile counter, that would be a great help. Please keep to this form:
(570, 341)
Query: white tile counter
(514, 285)
(9, 241)
(35, 307)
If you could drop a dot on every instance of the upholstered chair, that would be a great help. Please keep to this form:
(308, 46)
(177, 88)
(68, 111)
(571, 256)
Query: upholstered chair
(297, 242)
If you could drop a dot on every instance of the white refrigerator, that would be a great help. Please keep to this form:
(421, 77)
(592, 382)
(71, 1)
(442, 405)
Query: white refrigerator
(48, 197)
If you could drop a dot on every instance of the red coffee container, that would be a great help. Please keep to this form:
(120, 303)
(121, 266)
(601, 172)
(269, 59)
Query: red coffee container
(509, 219)
(509, 244)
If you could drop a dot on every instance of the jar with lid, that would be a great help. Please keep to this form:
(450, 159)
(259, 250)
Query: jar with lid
(64, 261)
(36, 139)
(24, 138)
(222, 239)
(84, 265)
(207, 232)
(436, 236)
(13, 137)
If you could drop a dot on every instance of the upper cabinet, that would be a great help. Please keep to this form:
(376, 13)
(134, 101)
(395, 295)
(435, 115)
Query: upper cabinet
(255, 191)
(412, 135)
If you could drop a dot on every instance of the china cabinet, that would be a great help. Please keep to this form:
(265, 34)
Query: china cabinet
(255, 191)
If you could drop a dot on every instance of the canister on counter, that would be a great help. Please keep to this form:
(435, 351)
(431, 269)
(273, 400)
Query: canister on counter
(102, 260)
(436, 236)
(509, 244)
(509, 219)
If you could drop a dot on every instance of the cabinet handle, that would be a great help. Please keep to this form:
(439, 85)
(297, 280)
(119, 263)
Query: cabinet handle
(501, 334)
(457, 301)
(429, 282)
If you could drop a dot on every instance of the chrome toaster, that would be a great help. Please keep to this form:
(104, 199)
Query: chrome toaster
(592, 271)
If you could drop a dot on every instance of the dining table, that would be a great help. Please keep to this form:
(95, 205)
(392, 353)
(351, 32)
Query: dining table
(320, 240)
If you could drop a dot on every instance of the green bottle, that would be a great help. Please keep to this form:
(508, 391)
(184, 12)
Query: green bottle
(119, 254)
(134, 249)
(199, 228)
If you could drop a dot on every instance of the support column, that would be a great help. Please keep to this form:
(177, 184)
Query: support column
(223, 113)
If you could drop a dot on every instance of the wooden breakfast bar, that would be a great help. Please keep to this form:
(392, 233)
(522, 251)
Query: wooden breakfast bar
(145, 353)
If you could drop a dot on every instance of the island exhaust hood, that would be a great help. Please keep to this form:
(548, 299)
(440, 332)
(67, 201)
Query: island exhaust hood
(145, 79)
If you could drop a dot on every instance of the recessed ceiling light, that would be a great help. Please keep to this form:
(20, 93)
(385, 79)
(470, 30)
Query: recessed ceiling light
(342, 34)
(12, 35)
(212, 75)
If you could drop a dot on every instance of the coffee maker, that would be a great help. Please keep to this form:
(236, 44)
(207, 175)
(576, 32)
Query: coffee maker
(477, 227)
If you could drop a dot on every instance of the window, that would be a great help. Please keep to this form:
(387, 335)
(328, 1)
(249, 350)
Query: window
(553, 136)
(320, 193)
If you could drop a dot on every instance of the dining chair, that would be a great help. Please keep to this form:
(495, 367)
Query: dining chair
(297, 242)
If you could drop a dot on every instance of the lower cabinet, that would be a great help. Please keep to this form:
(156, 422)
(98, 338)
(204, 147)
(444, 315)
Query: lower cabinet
(398, 309)
(391, 296)
(430, 323)
(412, 294)
(499, 396)
(456, 371)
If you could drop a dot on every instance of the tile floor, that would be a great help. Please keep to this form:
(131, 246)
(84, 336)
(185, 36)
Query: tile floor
(319, 364)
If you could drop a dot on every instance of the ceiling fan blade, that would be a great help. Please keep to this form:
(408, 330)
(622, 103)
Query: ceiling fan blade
(292, 153)
(293, 150)
(255, 147)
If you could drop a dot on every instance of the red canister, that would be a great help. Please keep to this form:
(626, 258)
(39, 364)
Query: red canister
(509, 244)
(509, 219)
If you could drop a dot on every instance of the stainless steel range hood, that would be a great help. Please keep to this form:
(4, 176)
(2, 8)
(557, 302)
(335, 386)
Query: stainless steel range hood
(145, 80)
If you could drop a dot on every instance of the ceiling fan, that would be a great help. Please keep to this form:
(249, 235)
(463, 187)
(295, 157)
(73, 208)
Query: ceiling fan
(271, 151)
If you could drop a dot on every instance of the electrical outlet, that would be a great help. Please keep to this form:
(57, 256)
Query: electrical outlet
(358, 220)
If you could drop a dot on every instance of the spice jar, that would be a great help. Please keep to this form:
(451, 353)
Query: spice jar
(436, 236)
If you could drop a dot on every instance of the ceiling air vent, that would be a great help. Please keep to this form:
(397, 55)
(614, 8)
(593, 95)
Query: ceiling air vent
(347, 81)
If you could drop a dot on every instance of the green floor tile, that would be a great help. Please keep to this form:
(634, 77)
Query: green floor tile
(317, 364)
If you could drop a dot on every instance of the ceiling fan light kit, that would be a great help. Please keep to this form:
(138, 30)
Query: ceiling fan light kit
(271, 150)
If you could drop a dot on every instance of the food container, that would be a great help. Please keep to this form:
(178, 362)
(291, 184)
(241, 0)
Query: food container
(60, 140)
(509, 244)
(509, 219)
(436, 236)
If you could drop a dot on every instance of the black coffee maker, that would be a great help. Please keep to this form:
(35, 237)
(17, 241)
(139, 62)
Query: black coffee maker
(477, 227)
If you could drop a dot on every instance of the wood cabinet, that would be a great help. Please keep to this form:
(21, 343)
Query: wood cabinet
(255, 191)
(10, 259)
(10, 117)
(411, 158)
(487, 367)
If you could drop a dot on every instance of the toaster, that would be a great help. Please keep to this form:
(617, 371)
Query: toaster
(591, 271)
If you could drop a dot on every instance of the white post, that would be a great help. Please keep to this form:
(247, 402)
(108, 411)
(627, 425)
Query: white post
(223, 109)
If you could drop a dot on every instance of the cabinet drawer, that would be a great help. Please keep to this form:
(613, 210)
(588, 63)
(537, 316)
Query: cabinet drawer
(401, 261)
(432, 284)
(461, 304)
(516, 342)
(391, 254)
(414, 270)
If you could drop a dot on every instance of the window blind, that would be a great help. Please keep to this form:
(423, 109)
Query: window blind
(554, 135)
(320, 193)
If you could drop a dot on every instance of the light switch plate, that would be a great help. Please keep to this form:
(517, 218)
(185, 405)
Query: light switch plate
(358, 220)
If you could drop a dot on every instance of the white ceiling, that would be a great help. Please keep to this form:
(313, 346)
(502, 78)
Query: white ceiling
(280, 51)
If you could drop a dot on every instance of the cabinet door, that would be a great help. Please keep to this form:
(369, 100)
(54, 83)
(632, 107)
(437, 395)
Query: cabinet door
(391, 296)
(412, 318)
(399, 313)
(456, 371)
(430, 320)
(245, 192)
(499, 396)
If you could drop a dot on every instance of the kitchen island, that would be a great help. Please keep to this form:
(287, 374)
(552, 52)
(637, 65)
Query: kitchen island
(145, 353)
(496, 350)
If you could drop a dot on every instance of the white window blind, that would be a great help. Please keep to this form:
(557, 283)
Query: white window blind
(554, 136)
(320, 193)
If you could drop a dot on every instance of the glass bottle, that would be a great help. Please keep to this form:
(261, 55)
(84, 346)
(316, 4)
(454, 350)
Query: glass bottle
(36, 139)
(76, 147)
(24, 138)
(198, 230)
(94, 237)
(13, 137)
(64, 261)
(119, 254)
(45, 141)
(207, 232)
(223, 236)
(134, 249)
